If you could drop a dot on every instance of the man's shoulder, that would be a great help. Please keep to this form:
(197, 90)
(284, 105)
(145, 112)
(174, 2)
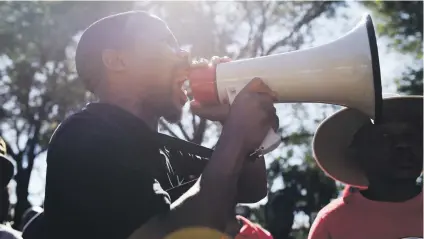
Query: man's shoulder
(90, 135)
(84, 124)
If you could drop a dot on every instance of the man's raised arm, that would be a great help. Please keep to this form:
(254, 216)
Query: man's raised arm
(208, 202)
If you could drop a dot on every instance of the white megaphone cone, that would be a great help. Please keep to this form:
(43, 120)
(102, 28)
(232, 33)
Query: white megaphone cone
(344, 72)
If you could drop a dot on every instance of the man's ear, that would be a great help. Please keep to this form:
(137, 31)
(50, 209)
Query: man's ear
(113, 60)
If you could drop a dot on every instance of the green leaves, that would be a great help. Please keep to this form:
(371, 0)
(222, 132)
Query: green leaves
(402, 24)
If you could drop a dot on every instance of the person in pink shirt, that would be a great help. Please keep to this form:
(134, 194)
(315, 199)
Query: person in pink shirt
(383, 162)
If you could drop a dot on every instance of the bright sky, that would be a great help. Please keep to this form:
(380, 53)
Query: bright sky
(392, 64)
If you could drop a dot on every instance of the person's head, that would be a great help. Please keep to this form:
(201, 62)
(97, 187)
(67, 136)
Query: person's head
(349, 148)
(134, 57)
(390, 151)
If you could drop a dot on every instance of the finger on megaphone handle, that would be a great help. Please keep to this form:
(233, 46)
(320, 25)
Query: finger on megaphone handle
(258, 85)
(212, 112)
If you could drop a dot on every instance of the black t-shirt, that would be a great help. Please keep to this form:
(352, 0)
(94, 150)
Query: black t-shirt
(107, 174)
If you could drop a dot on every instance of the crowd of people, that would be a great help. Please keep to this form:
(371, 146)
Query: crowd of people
(110, 173)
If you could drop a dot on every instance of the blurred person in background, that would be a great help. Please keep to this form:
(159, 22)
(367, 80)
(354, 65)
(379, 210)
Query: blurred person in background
(102, 162)
(7, 170)
(382, 163)
(279, 213)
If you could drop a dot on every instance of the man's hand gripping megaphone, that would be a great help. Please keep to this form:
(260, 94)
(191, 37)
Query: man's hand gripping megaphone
(252, 110)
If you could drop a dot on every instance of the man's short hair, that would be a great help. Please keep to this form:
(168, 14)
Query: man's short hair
(111, 32)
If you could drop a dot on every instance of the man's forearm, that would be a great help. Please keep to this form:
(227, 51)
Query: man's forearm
(207, 203)
(252, 183)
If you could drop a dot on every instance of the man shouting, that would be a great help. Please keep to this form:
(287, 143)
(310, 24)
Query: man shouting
(102, 161)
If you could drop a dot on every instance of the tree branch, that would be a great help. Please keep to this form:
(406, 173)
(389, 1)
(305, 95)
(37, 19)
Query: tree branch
(32, 141)
(42, 149)
(18, 133)
(313, 12)
(259, 43)
(249, 17)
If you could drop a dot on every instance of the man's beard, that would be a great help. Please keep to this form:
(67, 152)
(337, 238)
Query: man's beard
(163, 99)
(172, 112)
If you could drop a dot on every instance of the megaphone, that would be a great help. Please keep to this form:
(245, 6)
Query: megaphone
(344, 72)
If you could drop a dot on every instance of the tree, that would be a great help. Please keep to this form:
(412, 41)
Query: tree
(40, 88)
(401, 23)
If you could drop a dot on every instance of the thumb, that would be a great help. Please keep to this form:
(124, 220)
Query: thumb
(195, 106)
(213, 112)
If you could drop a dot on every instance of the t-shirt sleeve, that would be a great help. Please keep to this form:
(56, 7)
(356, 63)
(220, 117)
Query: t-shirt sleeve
(98, 185)
(319, 229)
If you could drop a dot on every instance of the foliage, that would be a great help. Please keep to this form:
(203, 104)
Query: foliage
(39, 87)
(402, 23)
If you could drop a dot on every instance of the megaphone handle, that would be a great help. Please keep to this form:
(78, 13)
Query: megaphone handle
(272, 139)
(271, 142)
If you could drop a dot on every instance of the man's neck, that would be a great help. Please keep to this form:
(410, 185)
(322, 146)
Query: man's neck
(399, 191)
(135, 108)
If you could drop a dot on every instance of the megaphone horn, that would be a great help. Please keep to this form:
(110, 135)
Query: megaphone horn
(344, 72)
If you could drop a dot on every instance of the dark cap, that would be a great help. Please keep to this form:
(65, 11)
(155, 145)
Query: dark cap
(7, 169)
(112, 32)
